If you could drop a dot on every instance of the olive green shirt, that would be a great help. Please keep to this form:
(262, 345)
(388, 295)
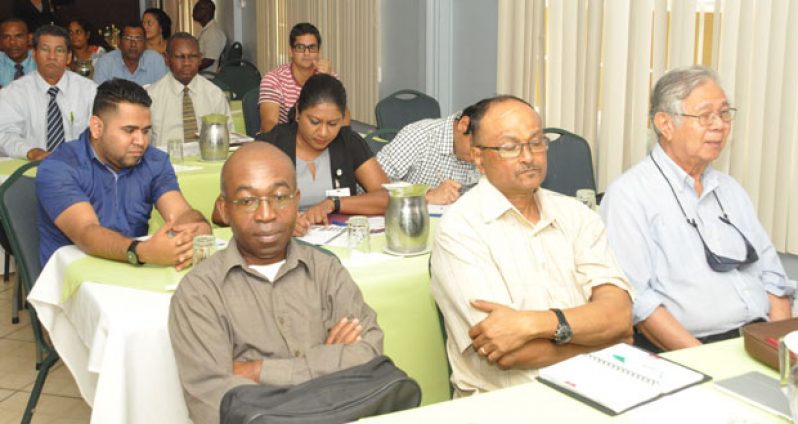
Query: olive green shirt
(223, 311)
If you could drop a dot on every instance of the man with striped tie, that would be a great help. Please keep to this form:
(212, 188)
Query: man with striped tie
(182, 97)
(41, 110)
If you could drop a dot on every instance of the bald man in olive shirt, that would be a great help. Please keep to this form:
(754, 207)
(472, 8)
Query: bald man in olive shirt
(267, 309)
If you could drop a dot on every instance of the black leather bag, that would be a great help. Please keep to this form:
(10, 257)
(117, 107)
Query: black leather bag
(374, 388)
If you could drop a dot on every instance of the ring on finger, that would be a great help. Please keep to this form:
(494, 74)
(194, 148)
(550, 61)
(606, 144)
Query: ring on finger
(483, 351)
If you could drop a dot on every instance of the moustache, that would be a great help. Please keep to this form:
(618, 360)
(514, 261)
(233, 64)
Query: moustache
(527, 168)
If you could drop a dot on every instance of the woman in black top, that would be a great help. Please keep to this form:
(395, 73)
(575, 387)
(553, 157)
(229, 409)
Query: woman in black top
(318, 131)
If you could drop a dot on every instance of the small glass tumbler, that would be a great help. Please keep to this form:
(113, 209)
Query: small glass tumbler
(587, 196)
(357, 232)
(204, 247)
(175, 147)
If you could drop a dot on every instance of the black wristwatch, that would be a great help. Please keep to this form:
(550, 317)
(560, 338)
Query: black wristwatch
(336, 204)
(563, 333)
(132, 257)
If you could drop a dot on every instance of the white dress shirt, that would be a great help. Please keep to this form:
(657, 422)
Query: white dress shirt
(167, 106)
(23, 111)
(663, 256)
(212, 41)
(486, 249)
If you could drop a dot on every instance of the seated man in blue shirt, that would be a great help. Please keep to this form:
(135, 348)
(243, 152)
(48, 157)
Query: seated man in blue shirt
(98, 191)
(686, 235)
(132, 61)
(15, 58)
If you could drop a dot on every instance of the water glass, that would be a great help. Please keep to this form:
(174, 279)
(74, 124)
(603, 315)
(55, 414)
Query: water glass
(175, 147)
(204, 247)
(587, 196)
(357, 233)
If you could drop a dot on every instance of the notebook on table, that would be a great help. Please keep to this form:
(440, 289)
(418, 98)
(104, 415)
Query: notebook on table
(619, 378)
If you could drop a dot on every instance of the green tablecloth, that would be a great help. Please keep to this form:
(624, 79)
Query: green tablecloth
(200, 187)
(398, 290)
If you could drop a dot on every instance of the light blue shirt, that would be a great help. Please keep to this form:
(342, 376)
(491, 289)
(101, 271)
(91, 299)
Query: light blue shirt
(664, 259)
(7, 68)
(151, 68)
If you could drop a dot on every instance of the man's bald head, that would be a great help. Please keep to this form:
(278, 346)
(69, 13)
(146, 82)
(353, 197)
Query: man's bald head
(256, 152)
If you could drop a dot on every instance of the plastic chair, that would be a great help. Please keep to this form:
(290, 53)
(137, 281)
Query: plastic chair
(570, 163)
(228, 91)
(404, 107)
(18, 211)
(251, 111)
(231, 53)
(241, 76)
(377, 139)
(16, 301)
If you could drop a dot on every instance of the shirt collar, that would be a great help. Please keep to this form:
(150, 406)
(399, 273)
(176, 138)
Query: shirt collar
(177, 87)
(43, 86)
(494, 205)
(140, 67)
(446, 146)
(26, 63)
(231, 258)
(679, 179)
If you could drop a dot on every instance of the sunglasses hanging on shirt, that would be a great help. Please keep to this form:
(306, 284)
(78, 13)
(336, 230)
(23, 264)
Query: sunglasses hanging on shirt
(718, 263)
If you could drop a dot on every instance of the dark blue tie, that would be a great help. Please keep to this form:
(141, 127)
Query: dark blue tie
(55, 124)
(20, 72)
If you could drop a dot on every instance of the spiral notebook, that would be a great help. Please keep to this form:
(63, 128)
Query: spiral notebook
(619, 378)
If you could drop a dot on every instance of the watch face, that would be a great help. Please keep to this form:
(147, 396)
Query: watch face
(132, 258)
(563, 334)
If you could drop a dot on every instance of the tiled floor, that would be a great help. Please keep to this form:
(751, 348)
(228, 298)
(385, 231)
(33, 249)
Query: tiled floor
(60, 401)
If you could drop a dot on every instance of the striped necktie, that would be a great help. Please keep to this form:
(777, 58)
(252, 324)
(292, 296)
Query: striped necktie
(20, 72)
(189, 118)
(55, 124)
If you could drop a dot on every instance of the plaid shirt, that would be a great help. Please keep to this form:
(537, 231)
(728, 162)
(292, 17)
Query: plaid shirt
(423, 153)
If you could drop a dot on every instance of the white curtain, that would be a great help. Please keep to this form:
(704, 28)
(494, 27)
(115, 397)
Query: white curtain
(349, 40)
(589, 66)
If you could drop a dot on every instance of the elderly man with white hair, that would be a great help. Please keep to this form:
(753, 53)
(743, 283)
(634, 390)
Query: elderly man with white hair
(687, 235)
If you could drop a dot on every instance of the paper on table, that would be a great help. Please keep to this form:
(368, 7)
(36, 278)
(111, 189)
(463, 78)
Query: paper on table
(320, 234)
(437, 210)
(185, 168)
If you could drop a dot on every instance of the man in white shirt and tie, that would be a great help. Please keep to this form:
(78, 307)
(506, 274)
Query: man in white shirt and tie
(41, 110)
(182, 97)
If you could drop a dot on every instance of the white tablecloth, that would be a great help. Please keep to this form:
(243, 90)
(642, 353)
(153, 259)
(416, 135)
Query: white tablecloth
(115, 342)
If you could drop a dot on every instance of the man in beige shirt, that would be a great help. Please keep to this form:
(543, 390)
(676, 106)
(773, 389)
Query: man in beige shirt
(266, 309)
(524, 276)
(182, 97)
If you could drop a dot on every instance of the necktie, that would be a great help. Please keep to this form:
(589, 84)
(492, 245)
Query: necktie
(55, 124)
(20, 72)
(189, 118)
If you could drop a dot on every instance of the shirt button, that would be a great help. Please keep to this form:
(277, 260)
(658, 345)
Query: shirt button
(297, 353)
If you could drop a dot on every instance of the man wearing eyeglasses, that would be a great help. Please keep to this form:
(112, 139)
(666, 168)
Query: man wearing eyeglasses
(182, 97)
(132, 60)
(687, 235)
(267, 309)
(45, 108)
(524, 276)
(280, 87)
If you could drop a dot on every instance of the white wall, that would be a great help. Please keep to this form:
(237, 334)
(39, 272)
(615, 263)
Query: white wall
(474, 40)
(402, 48)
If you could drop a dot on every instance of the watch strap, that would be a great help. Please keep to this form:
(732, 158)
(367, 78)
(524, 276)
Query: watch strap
(336, 204)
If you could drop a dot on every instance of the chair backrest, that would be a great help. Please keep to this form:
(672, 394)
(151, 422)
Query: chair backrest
(18, 212)
(570, 163)
(231, 53)
(241, 76)
(228, 91)
(404, 107)
(251, 111)
(377, 139)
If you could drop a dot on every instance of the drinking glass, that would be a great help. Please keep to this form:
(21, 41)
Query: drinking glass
(788, 368)
(204, 247)
(175, 146)
(357, 232)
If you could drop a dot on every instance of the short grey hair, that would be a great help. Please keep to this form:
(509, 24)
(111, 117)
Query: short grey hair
(673, 87)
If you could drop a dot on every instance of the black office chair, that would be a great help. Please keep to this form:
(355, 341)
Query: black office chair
(377, 139)
(228, 91)
(570, 165)
(241, 76)
(18, 211)
(404, 107)
(231, 53)
(251, 111)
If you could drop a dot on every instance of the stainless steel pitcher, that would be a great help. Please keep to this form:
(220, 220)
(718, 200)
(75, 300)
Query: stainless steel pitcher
(407, 218)
(84, 67)
(214, 141)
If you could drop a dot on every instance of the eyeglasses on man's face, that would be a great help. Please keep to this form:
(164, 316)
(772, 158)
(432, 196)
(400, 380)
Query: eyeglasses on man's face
(275, 201)
(513, 150)
(706, 119)
(301, 48)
